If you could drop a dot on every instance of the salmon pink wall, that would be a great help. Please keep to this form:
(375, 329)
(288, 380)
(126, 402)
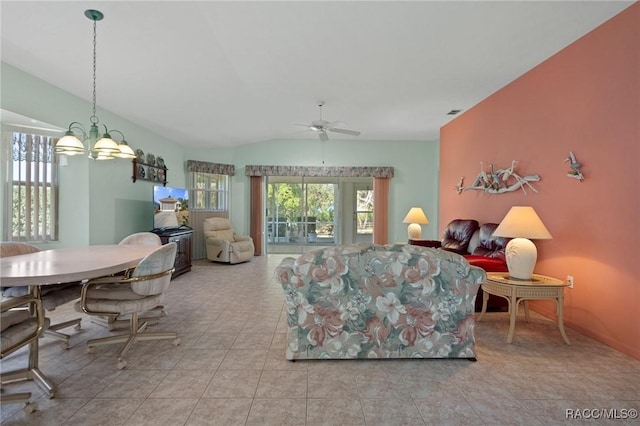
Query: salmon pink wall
(584, 99)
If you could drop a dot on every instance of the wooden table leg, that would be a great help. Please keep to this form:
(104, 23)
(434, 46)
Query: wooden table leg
(513, 312)
(485, 298)
(560, 310)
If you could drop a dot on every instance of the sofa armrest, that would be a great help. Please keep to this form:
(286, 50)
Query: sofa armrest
(489, 264)
(217, 249)
(284, 271)
(456, 250)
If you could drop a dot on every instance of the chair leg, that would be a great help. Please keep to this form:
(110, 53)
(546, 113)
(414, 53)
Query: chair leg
(15, 376)
(136, 334)
(24, 397)
(120, 338)
(62, 325)
(114, 323)
(52, 331)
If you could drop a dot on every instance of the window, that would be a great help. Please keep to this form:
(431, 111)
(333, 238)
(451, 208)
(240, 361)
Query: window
(32, 186)
(209, 191)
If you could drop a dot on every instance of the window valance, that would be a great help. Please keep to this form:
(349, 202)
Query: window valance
(213, 168)
(336, 171)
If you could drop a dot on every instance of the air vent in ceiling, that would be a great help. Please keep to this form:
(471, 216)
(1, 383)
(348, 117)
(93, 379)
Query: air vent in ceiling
(454, 111)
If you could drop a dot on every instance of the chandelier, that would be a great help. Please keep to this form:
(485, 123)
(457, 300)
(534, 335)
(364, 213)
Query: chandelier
(101, 146)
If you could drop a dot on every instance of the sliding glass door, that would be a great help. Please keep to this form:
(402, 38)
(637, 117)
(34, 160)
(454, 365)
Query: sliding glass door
(363, 215)
(301, 213)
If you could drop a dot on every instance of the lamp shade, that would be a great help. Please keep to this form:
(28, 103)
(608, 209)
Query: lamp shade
(125, 151)
(416, 215)
(106, 145)
(522, 222)
(69, 144)
(415, 218)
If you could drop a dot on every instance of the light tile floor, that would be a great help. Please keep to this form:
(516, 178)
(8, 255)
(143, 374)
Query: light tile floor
(230, 370)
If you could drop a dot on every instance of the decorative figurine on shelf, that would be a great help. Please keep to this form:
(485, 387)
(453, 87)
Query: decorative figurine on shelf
(499, 181)
(575, 167)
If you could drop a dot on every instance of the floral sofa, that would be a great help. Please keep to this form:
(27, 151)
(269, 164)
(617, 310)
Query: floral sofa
(374, 301)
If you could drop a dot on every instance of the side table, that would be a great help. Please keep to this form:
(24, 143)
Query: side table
(426, 243)
(539, 287)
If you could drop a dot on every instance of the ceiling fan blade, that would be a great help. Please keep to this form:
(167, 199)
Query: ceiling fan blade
(323, 136)
(345, 131)
(334, 124)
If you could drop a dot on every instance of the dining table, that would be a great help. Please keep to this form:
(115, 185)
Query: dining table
(65, 265)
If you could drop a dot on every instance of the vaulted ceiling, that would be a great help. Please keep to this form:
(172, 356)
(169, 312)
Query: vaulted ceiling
(212, 73)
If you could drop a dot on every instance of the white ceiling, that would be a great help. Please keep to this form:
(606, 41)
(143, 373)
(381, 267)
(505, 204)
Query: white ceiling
(208, 73)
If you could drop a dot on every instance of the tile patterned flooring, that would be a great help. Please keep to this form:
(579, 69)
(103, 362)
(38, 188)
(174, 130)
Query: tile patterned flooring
(230, 370)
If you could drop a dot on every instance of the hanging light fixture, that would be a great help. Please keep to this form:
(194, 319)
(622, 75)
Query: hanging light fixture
(101, 146)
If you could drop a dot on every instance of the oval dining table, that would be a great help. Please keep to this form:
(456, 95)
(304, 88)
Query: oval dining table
(64, 265)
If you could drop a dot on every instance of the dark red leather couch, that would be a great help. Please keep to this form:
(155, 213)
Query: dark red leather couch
(478, 245)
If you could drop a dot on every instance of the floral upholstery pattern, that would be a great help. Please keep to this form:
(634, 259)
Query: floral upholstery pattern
(379, 301)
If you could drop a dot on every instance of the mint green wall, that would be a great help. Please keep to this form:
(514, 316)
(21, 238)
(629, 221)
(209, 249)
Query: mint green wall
(99, 204)
(415, 163)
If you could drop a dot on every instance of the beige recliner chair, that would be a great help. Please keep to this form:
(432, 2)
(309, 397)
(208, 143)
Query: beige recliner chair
(223, 245)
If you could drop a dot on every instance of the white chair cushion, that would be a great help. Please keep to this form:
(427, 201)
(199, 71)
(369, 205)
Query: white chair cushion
(12, 317)
(244, 246)
(151, 265)
(15, 291)
(224, 234)
(60, 294)
(17, 332)
(114, 292)
(216, 224)
(122, 307)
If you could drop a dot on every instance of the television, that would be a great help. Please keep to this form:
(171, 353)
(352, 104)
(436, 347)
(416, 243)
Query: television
(171, 207)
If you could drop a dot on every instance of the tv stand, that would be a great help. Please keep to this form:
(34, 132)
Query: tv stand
(182, 238)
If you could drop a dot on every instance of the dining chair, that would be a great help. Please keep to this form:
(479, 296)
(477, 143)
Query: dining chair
(142, 238)
(113, 322)
(52, 295)
(22, 322)
(140, 290)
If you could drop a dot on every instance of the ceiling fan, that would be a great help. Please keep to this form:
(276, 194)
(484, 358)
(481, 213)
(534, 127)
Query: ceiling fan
(322, 126)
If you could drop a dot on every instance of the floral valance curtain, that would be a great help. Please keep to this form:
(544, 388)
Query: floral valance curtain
(213, 168)
(349, 171)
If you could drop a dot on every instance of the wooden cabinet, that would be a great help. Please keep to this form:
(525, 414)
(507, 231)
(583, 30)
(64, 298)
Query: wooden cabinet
(182, 238)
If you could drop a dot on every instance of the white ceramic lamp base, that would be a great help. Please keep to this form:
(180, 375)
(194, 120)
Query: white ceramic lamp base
(521, 256)
(415, 231)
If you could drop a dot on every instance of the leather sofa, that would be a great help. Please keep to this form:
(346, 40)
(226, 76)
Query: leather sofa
(379, 301)
(478, 245)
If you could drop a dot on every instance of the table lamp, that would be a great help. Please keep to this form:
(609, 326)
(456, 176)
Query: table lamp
(522, 224)
(415, 218)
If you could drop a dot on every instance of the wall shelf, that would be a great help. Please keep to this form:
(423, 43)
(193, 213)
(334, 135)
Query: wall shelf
(149, 172)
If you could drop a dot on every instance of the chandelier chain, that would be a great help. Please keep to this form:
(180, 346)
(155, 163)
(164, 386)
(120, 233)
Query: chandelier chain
(101, 146)
(94, 118)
